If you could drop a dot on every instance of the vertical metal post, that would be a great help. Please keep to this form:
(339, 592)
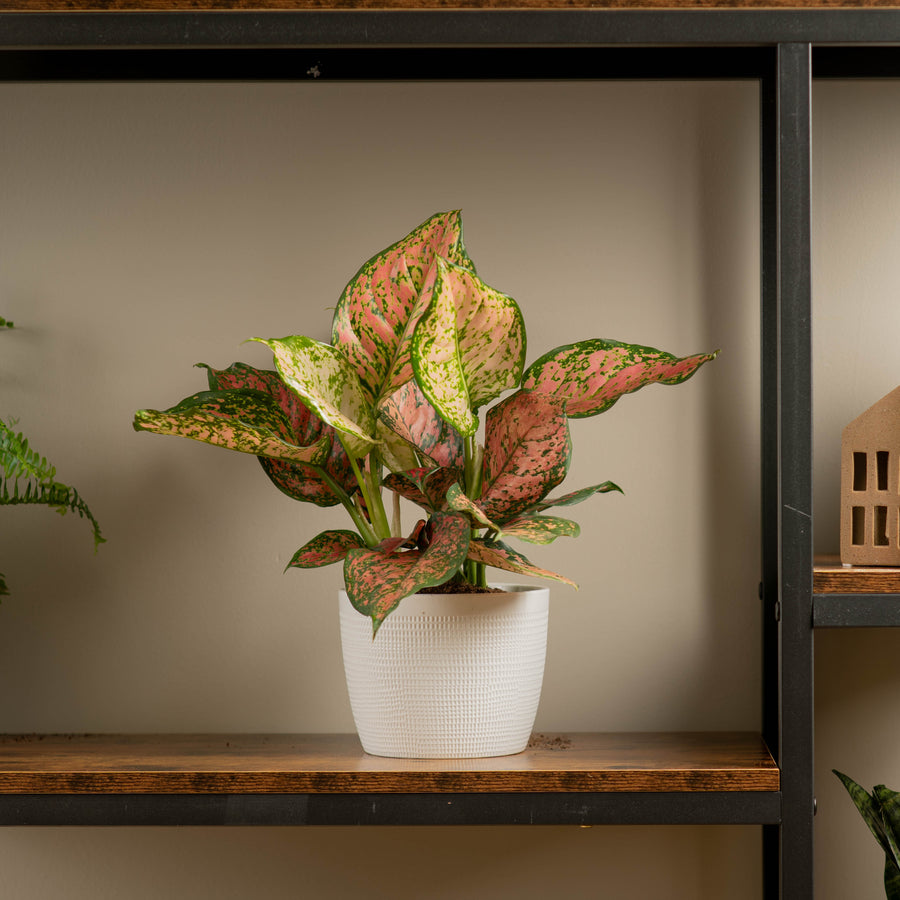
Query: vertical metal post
(795, 745)
(771, 707)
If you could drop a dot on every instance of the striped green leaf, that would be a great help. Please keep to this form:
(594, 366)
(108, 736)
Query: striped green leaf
(501, 556)
(590, 376)
(469, 346)
(378, 308)
(526, 454)
(328, 385)
(326, 548)
(377, 581)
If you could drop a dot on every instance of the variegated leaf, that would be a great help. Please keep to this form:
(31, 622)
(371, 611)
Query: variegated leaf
(311, 484)
(526, 454)
(377, 309)
(540, 529)
(326, 548)
(425, 487)
(458, 501)
(244, 420)
(590, 376)
(574, 497)
(500, 556)
(889, 803)
(469, 346)
(411, 417)
(377, 581)
(329, 385)
(868, 807)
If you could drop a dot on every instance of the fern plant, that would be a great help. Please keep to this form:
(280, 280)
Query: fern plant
(26, 477)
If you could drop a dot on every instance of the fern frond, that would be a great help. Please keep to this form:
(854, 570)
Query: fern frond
(28, 478)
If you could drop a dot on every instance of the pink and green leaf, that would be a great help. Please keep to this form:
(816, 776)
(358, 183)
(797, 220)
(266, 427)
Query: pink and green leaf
(377, 581)
(409, 415)
(247, 421)
(311, 484)
(527, 453)
(326, 548)
(424, 487)
(540, 529)
(468, 347)
(590, 376)
(500, 556)
(328, 385)
(574, 497)
(379, 306)
(459, 502)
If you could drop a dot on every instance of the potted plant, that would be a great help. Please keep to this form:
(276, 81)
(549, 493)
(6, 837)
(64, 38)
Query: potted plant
(881, 812)
(27, 478)
(422, 351)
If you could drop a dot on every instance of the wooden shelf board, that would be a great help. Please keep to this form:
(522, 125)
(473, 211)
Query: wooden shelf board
(322, 764)
(830, 577)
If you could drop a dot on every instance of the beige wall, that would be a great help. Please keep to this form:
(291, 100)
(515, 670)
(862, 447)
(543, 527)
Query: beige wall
(148, 227)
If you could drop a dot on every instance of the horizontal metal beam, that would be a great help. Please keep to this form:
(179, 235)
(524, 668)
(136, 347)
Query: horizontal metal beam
(448, 27)
(856, 611)
(696, 808)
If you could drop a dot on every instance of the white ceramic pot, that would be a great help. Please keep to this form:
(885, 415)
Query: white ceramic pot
(448, 675)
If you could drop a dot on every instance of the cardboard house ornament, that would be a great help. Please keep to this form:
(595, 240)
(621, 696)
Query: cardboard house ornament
(870, 486)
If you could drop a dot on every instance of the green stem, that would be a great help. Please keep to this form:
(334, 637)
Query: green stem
(359, 520)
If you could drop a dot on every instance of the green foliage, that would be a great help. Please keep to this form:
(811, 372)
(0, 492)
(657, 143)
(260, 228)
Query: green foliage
(420, 347)
(881, 812)
(26, 477)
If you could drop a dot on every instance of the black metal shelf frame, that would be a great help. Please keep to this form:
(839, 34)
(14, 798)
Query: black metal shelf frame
(774, 47)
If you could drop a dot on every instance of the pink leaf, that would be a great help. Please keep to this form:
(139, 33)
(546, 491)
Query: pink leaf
(498, 555)
(377, 581)
(527, 452)
(324, 549)
(591, 375)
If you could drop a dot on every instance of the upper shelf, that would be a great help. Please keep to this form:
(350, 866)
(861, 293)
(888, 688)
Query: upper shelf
(327, 779)
(855, 596)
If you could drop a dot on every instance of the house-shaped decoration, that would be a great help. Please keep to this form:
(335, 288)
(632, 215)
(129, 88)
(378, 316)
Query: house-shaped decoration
(870, 486)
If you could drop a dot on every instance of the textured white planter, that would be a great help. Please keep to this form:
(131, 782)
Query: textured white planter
(448, 675)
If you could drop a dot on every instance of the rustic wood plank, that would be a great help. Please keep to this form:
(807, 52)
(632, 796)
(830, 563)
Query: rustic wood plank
(830, 577)
(288, 5)
(286, 763)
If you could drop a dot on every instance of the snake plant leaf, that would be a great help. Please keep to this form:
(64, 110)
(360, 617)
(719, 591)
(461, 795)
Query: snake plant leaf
(329, 385)
(326, 548)
(574, 497)
(413, 419)
(468, 347)
(540, 529)
(377, 581)
(248, 421)
(526, 454)
(378, 308)
(590, 376)
(501, 556)
(307, 483)
(868, 808)
(425, 487)
(889, 803)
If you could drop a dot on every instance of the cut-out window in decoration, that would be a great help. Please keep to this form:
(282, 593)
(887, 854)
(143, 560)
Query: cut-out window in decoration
(881, 467)
(860, 471)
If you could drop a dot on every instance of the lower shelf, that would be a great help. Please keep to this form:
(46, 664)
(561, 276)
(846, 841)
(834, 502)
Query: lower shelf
(280, 779)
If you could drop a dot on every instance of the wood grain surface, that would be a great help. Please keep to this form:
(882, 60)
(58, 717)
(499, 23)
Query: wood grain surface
(285, 763)
(830, 577)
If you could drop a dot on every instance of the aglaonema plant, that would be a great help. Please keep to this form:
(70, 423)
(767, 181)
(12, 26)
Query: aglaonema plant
(881, 812)
(407, 401)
